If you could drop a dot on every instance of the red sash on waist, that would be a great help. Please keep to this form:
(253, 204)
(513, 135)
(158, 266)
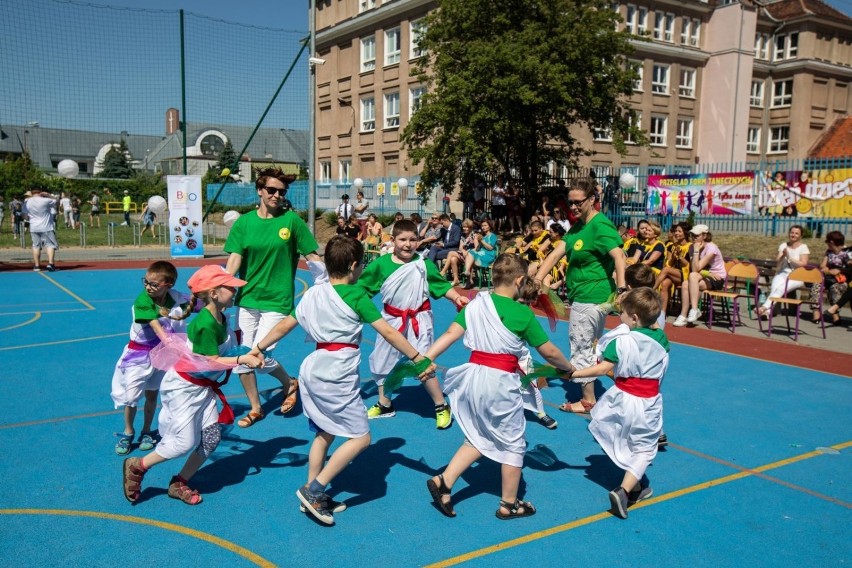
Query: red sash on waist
(408, 315)
(336, 346)
(227, 414)
(139, 346)
(501, 361)
(637, 386)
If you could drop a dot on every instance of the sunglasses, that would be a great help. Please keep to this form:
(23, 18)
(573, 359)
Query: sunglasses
(273, 190)
(152, 285)
(577, 202)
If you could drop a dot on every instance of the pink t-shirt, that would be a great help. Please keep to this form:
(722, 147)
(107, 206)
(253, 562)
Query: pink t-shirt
(717, 265)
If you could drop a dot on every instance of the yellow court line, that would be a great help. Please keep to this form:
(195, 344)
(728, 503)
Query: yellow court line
(647, 503)
(29, 321)
(63, 341)
(229, 546)
(67, 291)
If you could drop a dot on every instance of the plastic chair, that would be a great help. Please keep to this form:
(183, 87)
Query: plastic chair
(740, 276)
(809, 275)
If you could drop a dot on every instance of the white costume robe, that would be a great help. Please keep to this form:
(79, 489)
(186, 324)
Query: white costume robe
(487, 402)
(627, 426)
(329, 380)
(405, 289)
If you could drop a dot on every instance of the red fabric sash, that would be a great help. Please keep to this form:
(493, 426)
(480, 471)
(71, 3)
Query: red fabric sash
(336, 346)
(637, 386)
(227, 414)
(139, 346)
(407, 315)
(502, 361)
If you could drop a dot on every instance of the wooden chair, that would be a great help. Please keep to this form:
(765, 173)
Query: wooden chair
(809, 275)
(741, 282)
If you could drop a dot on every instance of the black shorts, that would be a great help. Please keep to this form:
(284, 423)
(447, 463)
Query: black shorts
(714, 283)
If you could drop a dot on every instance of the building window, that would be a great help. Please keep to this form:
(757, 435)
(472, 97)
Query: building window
(368, 114)
(684, 133)
(634, 120)
(753, 142)
(761, 47)
(664, 26)
(368, 53)
(690, 31)
(392, 110)
(657, 132)
(687, 82)
(779, 139)
(343, 169)
(602, 134)
(782, 93)
(756, 99)
(364, 5)
(639, 67)
(636, 21)
(656, 170)
(660, 79)
(418, 28)
(415, 94)
(786, 46)
(325, 171)
(393, 46)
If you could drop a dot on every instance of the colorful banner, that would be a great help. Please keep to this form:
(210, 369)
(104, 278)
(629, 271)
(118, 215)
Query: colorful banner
(702, 194)
(818, 193)
(185, 216)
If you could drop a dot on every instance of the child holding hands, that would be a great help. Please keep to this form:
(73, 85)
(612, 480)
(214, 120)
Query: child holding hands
(628, 419)
(486, 391)
(189, 419)
(332, 314)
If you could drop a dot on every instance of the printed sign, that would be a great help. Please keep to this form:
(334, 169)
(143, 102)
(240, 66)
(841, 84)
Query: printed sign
(380, 188)
(818, 193)
(702, 194)
(185, 216)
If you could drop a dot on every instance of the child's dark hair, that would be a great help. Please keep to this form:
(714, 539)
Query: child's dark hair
(639, 275)
(643, 302)
(340, 252)
(404, 226)
(165, 270)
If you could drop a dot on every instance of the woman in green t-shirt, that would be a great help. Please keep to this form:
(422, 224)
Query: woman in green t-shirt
(592, 247)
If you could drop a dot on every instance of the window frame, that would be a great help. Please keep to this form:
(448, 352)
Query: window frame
(391, 120)
(344, 171)
(692, 73)
(759, 96)
(775, 143)
(416, 28)
(753, 140)
(664, 26)
(368, 103)
(364, 5)
(785, 98)
(684, 139)
(368, 64)
(638, 84)
(661, 137)
(628, 139)
(324, 171)
(393, 57)
(660, 88)
(414, 96)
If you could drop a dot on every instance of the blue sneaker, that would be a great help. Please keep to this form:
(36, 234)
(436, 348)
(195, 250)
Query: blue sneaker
(122, 447)
(148, 440)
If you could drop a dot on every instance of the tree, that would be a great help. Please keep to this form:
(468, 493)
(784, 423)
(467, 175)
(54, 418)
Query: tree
(511, 81)
(117, 163)
(19, 174)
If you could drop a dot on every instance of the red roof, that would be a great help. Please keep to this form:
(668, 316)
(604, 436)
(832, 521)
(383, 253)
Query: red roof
(790, 9)
(836, 142)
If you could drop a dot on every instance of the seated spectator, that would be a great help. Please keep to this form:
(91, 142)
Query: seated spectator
(791, 254)
(374, 231)
(707, 272)
(449, 241)
(455, 258)
(558, 218)
(483, 253)
(650, 250)
(836, 267)
(676, 269)
(430, 233)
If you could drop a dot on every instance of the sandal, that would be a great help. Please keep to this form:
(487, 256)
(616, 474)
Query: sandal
(439, 491)
(516, 511)
(249, 419)
(123, 446)
(292, 396)
(178, 489)
(568, 407)
(133, 475)
(835, 318)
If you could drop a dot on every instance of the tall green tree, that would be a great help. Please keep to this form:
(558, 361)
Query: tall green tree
(117, 163)
(512, 81)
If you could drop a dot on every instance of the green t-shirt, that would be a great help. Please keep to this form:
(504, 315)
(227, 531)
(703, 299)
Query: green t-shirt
(125, 203)
(590, 267)
(356, 298)
(380, 270)
(518, 318)
(145, 310)
(206, 333)
(270, 249)
(610, 353)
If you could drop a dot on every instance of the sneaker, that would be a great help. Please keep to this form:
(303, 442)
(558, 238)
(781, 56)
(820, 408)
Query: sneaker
(380, 411)
(639, 494)
(618, 500)
(335, 506)
(547, 421)
(443, 417)
(694, 314)
(148, 440)
(51, 268)
(316, 504)
(36, 269)
(122, 447)
(663, 441)
(680, 321)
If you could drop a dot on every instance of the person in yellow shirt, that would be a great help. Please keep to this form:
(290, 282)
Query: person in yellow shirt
(125, 205)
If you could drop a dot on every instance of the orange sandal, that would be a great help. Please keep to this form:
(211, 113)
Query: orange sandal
(292, 396)
(568, 407)
(178, 489)
(249, 419)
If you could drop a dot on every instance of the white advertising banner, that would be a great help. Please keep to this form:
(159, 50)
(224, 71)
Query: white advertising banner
(185, 216)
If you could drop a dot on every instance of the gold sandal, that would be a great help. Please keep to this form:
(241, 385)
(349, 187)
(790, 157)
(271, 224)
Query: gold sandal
(249, 419)
(292, 396)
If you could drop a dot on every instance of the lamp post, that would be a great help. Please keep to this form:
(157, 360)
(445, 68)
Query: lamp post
(312, 145)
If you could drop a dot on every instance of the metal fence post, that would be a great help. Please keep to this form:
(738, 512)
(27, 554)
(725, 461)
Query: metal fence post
(82, 235)
(111, 234)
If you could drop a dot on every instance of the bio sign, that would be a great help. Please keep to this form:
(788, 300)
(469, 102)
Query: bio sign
(185, 216)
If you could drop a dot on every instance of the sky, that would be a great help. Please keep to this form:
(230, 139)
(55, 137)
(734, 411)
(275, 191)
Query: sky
(285, 14)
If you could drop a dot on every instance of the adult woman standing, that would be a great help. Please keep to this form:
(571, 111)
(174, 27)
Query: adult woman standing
(362, 212)
(593, 249)
(676, 269)
(791, 254)
(706, 272)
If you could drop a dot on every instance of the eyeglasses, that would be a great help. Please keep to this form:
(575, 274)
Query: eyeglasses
(152, 285)
(273, 190)
(577, 202)
(556, 211)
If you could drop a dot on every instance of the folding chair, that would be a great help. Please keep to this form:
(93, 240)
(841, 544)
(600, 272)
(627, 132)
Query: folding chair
(741, 278)
(809, 275)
